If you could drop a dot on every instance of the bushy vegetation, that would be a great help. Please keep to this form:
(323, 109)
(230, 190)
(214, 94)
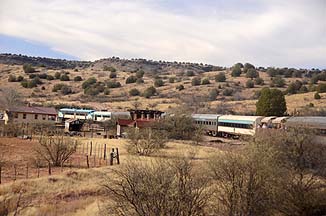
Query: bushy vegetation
(227, 92)
(180, 87)
(213, 94)
(140, 74)
(248, 66)
(195, 81)
(321, 88)
(190, 73)
(90, 81)
(78, 78)
(113, 75)
(158, 83)
(278, 82)
(205, 81)
(109, 68)
(28, 68)
(271, 103)
(171, 79)
(131, 79)
(317, 96)
(250, 83)
(220, 77)
(252, 73)
(149, 92)
(64, 77)
(134, 92)
(113, 84)
(236, 71)
(259, 81)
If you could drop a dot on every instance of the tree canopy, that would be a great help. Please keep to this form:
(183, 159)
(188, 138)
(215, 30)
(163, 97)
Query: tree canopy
(271, 103)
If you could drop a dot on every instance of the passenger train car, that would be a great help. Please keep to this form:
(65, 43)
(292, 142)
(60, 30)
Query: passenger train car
(227, 125)
(235, 125)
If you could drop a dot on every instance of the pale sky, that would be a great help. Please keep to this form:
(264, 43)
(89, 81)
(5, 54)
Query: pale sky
(277, 33)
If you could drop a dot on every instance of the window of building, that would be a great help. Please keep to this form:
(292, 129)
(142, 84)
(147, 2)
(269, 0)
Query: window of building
(15, 115)
(43, 117)
(36, 116)
(24, 115)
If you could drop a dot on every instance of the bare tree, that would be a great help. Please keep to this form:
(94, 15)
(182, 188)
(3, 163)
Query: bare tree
(145, 141)
(56, 149)
(158, 188)
(9, 98)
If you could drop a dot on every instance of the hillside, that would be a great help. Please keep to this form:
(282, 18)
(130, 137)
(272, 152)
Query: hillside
(231, 96)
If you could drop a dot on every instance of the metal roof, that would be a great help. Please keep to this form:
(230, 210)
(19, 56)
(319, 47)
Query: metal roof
(76, 110)
(34, 110)
(267, 119)
(238, 117)
(308, 121)
(205, 116)
(279, 120)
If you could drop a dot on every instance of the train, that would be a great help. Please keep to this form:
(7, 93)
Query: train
(238, 125)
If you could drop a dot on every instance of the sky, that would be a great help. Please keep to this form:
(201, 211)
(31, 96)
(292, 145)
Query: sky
(279, 33)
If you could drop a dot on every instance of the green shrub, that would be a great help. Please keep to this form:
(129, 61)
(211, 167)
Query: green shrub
(317, 96)
(134, 92)
(247, 66)
(57, 75)
(149, 92)
(50, 77)
(78, 78)
(236, 71)
(259, 81)
(91, 91)
(213, 94)
(87, 83)
(106, 91)
(321, 88)
(158, 83)
(65, 90)
(12, 78)
(131, 79)
(180, 87)
(42, 75)
(171, 79)
(278, 82)
(271, 103)
(140, 74)
(57, 87)
(113, 75)
(220, 77)
(252, 73)
(250, 84)
(109, 68)
(227, 92)
(190, 73)
(28, 68)
(205, 81)
(64, 77)
(113, 84)
(195, 81)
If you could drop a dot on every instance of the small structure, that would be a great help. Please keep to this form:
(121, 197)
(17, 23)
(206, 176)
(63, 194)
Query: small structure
(139, 119)
(30, 114)
(73, 125)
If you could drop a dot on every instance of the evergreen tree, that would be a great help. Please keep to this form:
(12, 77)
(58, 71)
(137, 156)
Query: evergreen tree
(271, 103)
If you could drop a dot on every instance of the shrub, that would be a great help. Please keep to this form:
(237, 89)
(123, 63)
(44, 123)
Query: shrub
(57, 87)
(50, 77)
(252, 73)
(12, 78)
(227, 92)
(171, 79)
(106, 91)
(303, 89)
(158, 83)
(180, 87)
(247, 66)
(259, 81)
(113, 75)
(57, 75)
(109, 68)
(317, 96)
(271, 72)
(78, 78)
(321, 88)
(131, 79)
(92, 91)
(190, 73)
(134, 92)
(139, 81)
(42, 75)
(64, 77)
(205, 81)
(278, 82)
(87, 83)
(213, 94)
(220, 77)
(250, 84)
(20, 78)
(149, 92)
(113, 84)
(240, 65)
(28, 68)
(236, 71)
(195, 81)
(140, 74)
(65, 90)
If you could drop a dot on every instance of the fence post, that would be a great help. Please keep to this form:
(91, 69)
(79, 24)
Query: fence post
(104, 154)
(0, 173)
(15, 171)
(91, 149)
(27, 171)
(111, 156)
(87, 161)
(38, 171)
(50, 171)
(118, 157)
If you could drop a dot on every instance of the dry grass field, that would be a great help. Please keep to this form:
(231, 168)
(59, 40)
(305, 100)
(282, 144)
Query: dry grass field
(74, 190)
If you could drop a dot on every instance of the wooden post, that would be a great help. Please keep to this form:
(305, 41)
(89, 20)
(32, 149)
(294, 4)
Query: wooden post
(38, 171)
(117, 155)
(15, 172)
(104, 153)
(91, 149)
(26, 171)
(50, 171)
(70, 164)
(87, 161)
(0, 173)
(111, 156)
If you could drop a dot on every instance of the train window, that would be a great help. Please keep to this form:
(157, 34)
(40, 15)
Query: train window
(235, 125)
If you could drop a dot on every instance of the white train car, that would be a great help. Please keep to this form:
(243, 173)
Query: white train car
(207, 121)
(235, 125)
(100, 116)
